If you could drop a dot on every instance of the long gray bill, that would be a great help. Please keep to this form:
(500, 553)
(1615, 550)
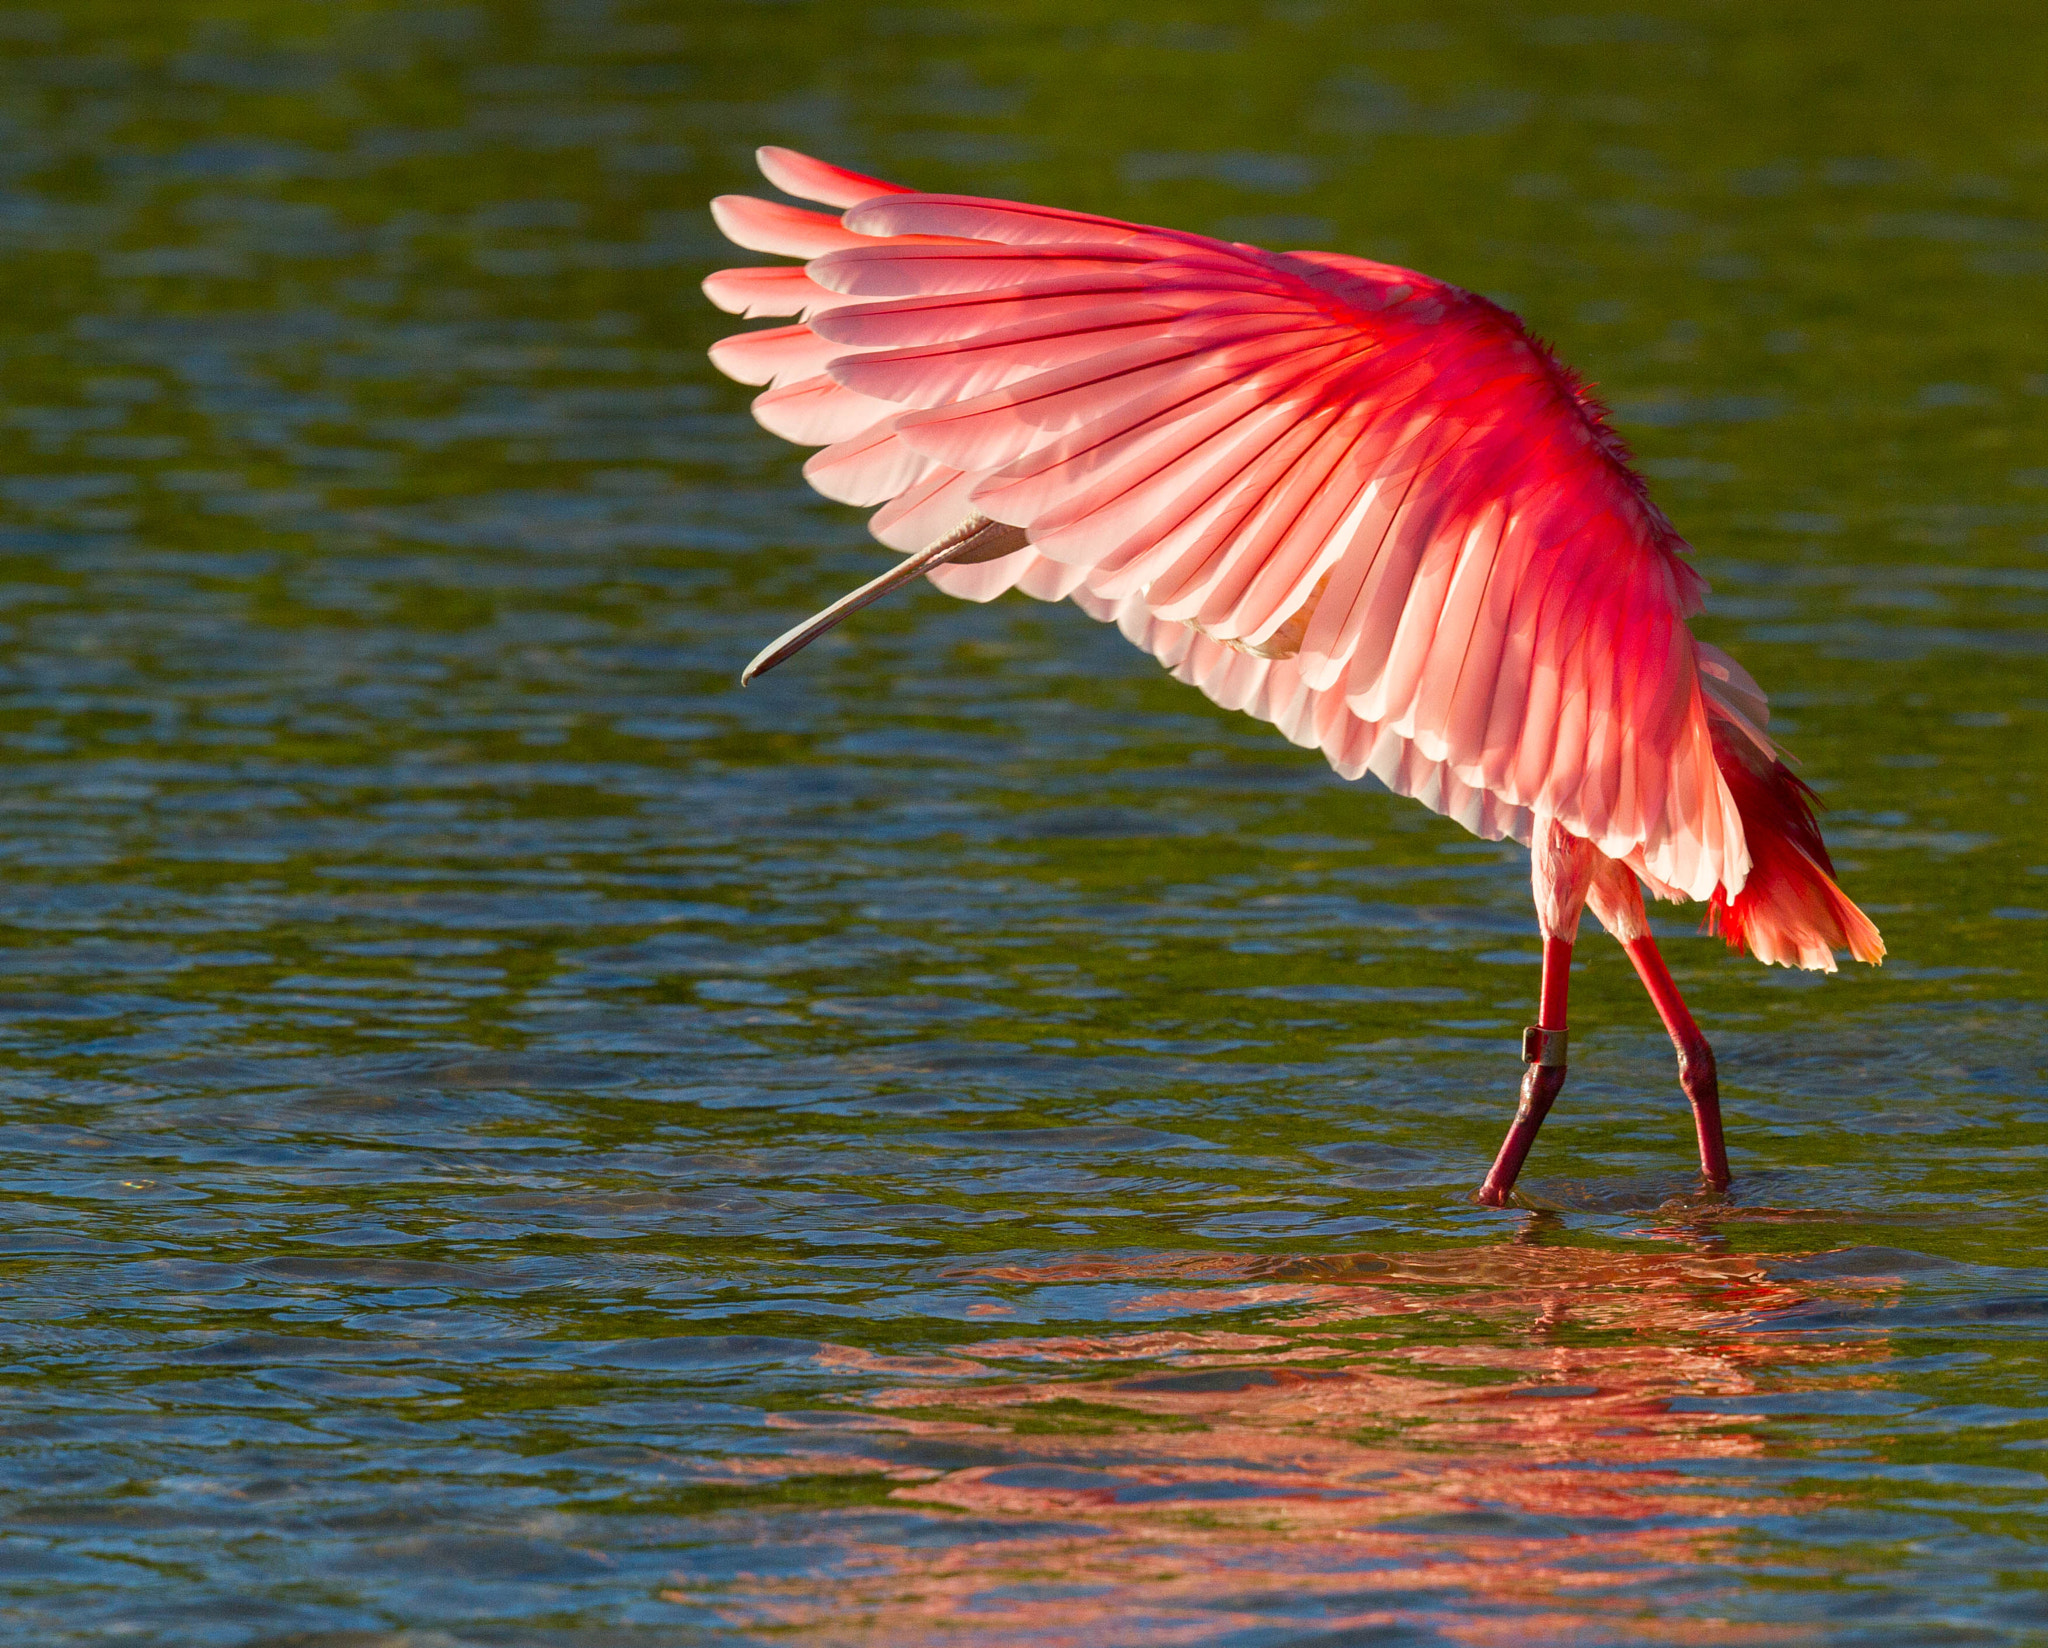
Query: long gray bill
(975, 539)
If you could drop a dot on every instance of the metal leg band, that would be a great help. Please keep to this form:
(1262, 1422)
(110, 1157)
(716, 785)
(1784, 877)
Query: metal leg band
(1543, 1047)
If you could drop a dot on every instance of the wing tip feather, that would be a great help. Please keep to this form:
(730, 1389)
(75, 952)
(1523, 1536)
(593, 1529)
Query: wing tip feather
(799, 174)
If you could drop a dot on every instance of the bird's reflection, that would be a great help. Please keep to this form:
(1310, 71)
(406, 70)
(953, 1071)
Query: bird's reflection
(1524, 1438)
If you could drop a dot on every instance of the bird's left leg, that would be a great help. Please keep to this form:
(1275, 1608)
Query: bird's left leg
(1617, 902)
(1561, 869)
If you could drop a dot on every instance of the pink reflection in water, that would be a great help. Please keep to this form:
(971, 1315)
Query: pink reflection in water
(1519, 1475)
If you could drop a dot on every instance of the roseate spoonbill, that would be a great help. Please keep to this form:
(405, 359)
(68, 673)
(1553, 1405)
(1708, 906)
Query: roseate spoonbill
(1348, 499)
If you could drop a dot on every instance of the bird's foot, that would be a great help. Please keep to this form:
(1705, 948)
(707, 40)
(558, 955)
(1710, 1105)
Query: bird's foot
(1702, 1084)
(1542, 1081)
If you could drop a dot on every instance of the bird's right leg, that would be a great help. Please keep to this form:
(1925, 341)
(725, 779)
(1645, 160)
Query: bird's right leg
(1561, 867)
(1617, 902)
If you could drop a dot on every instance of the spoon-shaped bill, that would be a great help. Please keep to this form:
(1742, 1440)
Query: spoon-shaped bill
(976, 539)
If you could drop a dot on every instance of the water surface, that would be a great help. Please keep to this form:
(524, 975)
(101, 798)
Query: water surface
(510, 1140)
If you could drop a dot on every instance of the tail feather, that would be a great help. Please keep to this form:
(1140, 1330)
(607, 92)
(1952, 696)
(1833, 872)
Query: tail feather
(1789, 911)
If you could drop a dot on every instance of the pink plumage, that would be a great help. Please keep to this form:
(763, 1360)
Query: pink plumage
(1359, 503)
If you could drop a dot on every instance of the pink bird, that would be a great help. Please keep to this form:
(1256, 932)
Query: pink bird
(1358, 503)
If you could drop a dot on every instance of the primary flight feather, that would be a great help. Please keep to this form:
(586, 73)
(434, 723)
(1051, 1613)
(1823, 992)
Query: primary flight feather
(1353, 501)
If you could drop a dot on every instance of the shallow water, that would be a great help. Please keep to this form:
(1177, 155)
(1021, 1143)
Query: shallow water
(510, 1140)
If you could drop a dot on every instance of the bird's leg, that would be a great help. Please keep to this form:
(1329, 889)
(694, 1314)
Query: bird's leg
(1561, 869)
(1618, 903)
(1543, 1050)
(1696, 1072)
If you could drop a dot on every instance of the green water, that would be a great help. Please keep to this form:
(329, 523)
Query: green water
(510, 1140)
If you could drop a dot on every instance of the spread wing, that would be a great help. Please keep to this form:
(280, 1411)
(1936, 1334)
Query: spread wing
(1356, 502)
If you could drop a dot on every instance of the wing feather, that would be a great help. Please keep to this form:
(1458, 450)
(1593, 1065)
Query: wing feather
(904, 323)
(1011, 223)
(871, 467)
(927, 510)
(818, 412)
(1069, 480)
(1264, 487)
(753, 293)
(935, 375)
(808, 179)
(892, 271)
(779, 355)
(992, 430)
(787, 231)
